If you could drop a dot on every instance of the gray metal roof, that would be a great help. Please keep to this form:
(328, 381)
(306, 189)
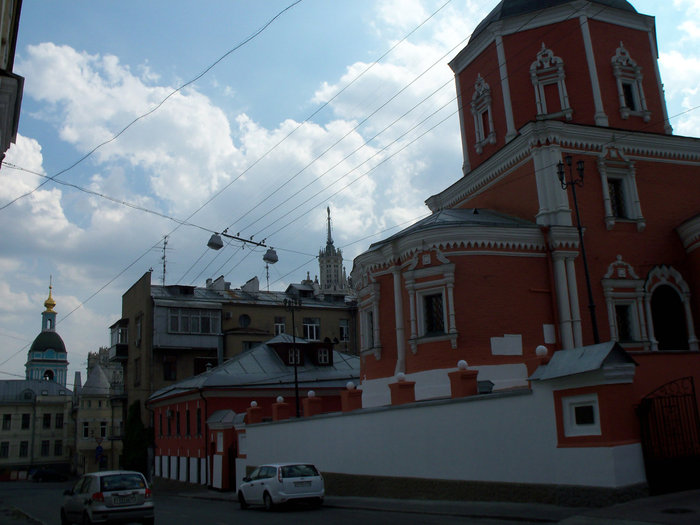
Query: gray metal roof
(510, 8)
(465, 217)
(12, 389)
(96, 383)
(262, 367)
(582, 359)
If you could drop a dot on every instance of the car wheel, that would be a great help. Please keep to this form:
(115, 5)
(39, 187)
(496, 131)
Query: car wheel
(242, 501)
(64, 518)
(318, 503)
(267, 500)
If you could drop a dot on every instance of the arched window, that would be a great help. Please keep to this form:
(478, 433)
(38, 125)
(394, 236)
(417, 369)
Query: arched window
(668, 315)
(48, 375)
(668, 309)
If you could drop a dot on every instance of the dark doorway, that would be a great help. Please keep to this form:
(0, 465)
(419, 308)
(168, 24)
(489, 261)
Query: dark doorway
(670, 431)
(668, 316)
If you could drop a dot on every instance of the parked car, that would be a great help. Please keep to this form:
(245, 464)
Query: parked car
(271, 485)
(49, 474)
(113, 496)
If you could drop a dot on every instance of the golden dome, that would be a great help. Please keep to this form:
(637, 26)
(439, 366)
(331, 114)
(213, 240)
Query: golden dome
(49, 303)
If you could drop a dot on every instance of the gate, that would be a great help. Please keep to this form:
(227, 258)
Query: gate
(670, 432)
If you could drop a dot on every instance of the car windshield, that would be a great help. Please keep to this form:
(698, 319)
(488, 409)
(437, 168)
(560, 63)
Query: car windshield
(299, 471)
(122, 482)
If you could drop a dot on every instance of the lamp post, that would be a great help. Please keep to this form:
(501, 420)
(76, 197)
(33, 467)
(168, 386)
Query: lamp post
(291, 305)
(573, 182)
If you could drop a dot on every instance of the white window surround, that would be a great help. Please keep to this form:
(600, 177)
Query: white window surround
(572, 428)
(613, 165)
(629, 75)
(545, 71)
(622, 286)
(441, 280)
(421, 313)
(368, 309)
(666, 275)
(481, 110)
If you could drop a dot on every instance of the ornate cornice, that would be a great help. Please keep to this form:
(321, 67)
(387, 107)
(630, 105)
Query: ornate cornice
(634, 144)
(523, 240)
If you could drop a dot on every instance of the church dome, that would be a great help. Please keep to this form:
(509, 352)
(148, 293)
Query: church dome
(48, 341)
(510, 8)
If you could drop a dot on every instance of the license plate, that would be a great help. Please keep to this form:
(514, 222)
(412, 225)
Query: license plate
(302, 483)
(123, 500)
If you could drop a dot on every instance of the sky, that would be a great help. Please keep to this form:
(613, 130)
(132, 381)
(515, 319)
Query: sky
(172, 120)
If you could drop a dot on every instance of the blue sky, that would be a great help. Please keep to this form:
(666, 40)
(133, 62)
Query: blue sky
(239, 135)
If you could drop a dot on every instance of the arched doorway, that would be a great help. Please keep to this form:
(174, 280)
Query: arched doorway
(668, 315)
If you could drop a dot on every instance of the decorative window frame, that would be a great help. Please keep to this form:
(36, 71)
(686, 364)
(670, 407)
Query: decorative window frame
(429, 281)
(667, 275)
(612, 164)
(628, 73)
(545, 71)
(622, 286)
(368, 310)
(569, 405)
(481, 107)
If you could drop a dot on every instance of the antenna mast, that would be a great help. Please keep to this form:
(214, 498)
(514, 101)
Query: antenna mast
(165, 244)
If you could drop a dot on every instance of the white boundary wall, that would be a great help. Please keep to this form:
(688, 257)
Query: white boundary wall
(500, 437)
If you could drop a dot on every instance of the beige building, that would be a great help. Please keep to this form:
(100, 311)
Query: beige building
(99, 423)
(37, 429)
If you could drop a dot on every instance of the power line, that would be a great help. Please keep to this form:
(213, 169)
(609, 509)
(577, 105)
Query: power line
(157, 106)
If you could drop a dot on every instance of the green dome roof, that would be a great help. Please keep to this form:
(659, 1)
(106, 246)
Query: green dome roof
(509, 8)
(46, 340)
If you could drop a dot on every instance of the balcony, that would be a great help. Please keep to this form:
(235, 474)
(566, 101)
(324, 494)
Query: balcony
(119, 332)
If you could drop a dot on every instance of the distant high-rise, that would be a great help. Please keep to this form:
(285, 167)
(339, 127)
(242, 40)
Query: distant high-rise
(333, 279)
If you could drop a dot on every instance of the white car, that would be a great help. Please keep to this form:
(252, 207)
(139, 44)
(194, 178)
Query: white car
(270, 485)
(113, 496)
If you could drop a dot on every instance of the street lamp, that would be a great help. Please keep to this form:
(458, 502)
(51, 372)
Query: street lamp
(215, 242)
(573, 182)
(291, 305)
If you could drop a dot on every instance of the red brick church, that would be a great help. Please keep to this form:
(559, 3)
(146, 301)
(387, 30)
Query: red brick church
(563, 123)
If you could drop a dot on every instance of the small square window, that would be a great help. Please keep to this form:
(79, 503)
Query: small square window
(584, 415)
(580, 415)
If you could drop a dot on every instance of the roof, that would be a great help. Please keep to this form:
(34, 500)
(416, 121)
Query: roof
(261, 366)
(97, 383)
(48, 340)
(463, 217)
(12, 389)
(511, 8)
(582, 359)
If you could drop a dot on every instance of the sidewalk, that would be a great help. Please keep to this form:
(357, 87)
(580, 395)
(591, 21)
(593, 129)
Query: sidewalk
(682, 508)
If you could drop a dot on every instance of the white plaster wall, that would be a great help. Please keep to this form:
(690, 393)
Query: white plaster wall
(507, 437)
(173, 467)
(217, 472)
(183, 469)
(194, 471)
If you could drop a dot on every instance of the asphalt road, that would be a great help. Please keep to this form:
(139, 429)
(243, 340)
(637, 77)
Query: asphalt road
(41, 502)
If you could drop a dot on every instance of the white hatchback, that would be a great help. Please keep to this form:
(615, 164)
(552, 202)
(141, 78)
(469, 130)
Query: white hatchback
(113, 496)
(270, 485)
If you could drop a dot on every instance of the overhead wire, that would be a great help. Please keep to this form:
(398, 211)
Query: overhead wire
(157, 106)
